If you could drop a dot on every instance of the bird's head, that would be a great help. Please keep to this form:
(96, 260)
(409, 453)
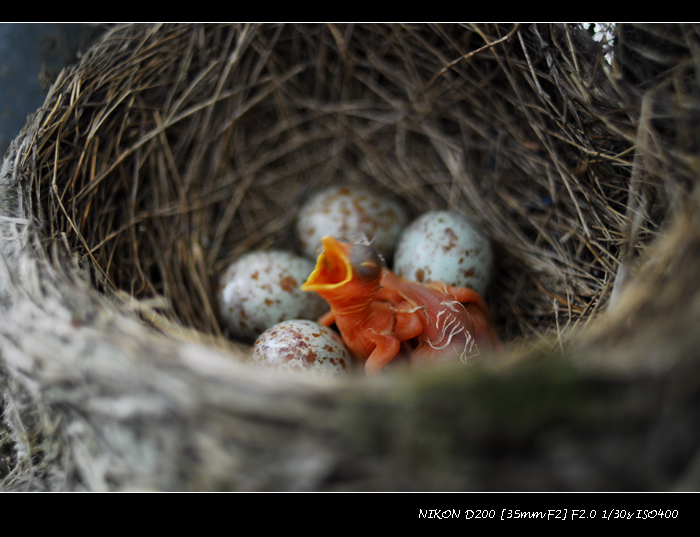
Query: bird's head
(345, 270)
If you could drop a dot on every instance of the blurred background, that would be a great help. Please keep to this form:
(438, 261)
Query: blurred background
(31, 55)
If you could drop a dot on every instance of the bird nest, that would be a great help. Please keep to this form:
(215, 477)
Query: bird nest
(170, 150)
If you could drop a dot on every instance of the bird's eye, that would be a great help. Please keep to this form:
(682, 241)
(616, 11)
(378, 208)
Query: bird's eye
(366, 262)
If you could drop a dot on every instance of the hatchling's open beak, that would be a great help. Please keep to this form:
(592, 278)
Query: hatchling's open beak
(333, 268)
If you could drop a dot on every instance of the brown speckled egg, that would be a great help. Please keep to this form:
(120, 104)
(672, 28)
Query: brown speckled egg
(302, 346)
(351, 213)
(263, 288)
(445, 246)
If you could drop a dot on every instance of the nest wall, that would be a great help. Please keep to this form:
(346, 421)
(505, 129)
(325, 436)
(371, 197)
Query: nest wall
(177, 167)
(170, 150)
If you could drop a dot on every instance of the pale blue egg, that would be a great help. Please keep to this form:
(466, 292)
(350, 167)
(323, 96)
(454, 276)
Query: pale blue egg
(262, 288)
(353, 214)
(302, 346)
(445, 246)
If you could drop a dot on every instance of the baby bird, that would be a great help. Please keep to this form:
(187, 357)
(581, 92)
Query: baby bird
(377, 311)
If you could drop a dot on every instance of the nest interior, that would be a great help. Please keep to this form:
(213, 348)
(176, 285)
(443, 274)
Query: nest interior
(174, 168)
(169, 150)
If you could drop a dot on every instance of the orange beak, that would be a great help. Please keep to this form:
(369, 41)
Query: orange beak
(333, 269)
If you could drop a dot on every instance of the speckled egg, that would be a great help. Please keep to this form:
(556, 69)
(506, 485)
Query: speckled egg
(351, 213)
(302, 346)
(263, 288)
(445, 246)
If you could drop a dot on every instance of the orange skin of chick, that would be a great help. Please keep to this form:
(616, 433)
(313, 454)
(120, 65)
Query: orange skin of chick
(456, 321)
(375, 310)
(367, 325)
